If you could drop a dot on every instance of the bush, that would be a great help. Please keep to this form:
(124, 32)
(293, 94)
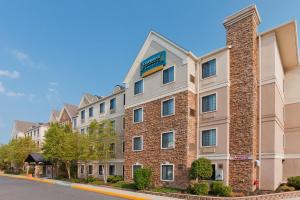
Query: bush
(199, 189)
(114, 179)
(122, 184)
(90, 179)
(219, 189)
(166, 190)
(201, 168)
(294, 181)
(142, 178)
(285, 188)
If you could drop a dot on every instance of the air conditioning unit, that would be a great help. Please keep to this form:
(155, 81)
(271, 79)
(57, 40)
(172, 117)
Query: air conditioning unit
(219, 175)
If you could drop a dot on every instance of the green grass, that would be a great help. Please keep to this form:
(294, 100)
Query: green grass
(122, 184)
(166, 190)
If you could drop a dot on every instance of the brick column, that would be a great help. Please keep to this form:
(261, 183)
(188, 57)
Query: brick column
(241, 35)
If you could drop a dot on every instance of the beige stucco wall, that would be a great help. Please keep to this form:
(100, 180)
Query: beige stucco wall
(291, 85)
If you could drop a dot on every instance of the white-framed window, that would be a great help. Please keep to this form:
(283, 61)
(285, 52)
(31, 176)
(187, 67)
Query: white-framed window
(209, 138)
(102, 107)
(113, 103)
(112, 170)
(209, 69)
(167, 140)
(81, 169)
(209, 103)
(169, 75)
(91, 112)
(136, 167)
(139, 87)
(137, 143)
(137, 115)
(167, 172)
(168, 107)
(74, 123)
(90, 169)
(100, 170)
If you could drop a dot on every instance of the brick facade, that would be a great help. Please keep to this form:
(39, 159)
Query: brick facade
(151, 128)
(242, 36)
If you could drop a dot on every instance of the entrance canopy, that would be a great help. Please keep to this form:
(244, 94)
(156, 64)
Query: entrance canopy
(37, 158)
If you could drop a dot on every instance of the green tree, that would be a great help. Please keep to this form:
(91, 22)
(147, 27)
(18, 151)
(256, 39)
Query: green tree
(61, 146)
(18, 150)
(103, 139)
(4, 162)
(201, 169)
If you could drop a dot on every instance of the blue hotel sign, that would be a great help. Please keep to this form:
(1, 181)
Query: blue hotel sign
(153, 64)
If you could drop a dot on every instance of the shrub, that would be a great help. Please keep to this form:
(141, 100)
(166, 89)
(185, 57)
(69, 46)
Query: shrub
(199, 189)
(285, 188)
(114, 179)
(201, 168)
(122, 184)
(142, 178)
(90, 179)
(166, 190)
(294, 181)
(219, 189)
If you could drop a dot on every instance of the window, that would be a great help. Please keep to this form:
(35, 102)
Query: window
(167, 140)
(74, 123)
(137, 143)
(100, 170)
(167, 172)
(82, 131)
(81, 169)
(111, 170)
(123, 146)
(112, 104)
(138, 115)
(82, 115)
(91, 112)
(138, 87)
(209, 103)
(209, 138)
(209, 68)
(102, 107)
(90, 169)
(168, 75)
(135, 167)
(124, 99)
(168, 107)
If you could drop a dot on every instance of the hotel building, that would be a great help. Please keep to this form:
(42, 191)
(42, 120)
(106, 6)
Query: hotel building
(98, 108)
(238, 106)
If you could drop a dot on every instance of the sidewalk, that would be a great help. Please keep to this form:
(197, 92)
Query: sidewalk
(97, 189)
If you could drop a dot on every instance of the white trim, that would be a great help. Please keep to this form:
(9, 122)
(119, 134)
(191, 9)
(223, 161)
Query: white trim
(142, 140)
(292, 156)
(215, 156)
(179, 90)
(209, 94)
(162, 75)
(142, 115)
(173, 147)
(135, 164)
(214, 87)
(142, 79)
(173, 106)
(208, 129)
(167, 163)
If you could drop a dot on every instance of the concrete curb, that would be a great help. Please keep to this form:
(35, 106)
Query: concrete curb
(77, 186)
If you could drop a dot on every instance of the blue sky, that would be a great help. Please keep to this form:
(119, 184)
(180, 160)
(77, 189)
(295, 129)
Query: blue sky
(52, 52)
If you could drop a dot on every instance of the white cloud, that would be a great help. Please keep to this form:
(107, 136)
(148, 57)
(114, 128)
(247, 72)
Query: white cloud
(2, 88)
(52, 90)
(9, 74)
(22, 57)
(15, 94)
(53, 83)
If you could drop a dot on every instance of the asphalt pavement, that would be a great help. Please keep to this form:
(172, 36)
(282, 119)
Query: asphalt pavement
(17, 189)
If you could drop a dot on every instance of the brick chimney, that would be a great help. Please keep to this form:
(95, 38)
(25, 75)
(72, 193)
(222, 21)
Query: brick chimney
(241, 30)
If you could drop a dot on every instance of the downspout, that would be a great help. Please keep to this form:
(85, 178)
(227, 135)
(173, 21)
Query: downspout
(260, 113)
(197, 107)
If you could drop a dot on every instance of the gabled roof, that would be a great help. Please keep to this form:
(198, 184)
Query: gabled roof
(70, 109)
(22, 126)
(287, 41)
(154, 36)
(54, 116)
(87, 99)
(37, 158)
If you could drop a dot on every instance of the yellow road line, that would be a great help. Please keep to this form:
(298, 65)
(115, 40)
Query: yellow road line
(29, 178)
(109, 193)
